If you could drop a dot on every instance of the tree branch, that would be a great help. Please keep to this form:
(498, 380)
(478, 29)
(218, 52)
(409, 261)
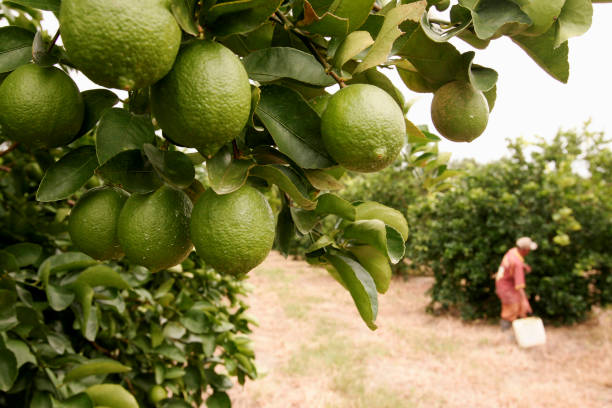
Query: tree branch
(9, 149)
(53, 41)
(281, 18)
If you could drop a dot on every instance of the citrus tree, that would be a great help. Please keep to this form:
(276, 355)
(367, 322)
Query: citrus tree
(463, 234)
(242, 90)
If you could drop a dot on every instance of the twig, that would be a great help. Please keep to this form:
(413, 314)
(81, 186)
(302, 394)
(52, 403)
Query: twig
(311, 47)
(9, 149)
(100, 348)
(6, 168)
(129, 384)
(55, 37)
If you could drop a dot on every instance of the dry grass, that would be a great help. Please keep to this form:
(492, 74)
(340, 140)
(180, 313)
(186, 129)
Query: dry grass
(313, 351)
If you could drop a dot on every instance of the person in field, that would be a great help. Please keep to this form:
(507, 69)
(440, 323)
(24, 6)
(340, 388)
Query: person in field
(510, 282)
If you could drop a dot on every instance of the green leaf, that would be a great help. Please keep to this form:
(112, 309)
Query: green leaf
(294, 126)
(333, 204)
(59, 297)
(375, 233)
(225, 173)
(66, 261)
(438, 63)
(575, 19)
(22, 352)
(96, 102)
(8, 369)
(25, 253)
(172, 353)
(288, 181)
(270, 64)
(389, 32)
(102, 275)
(371, 210)
(218, 399)
(491, 17)
(323, 242)
(238, 16)
(99, 366)
(374, 77)
(480, 77)
(80, 400)
(553, 60)
(438, 34)
(40, 400)
(172, 166)
(285, 230)
(360, 285)
(68, 174)
(304, 220)
(15, 47)
(412, 78)
(196, 321)
(51, 5)
(375, 262)
(543, 14)
(322, 180)
(491, 95)
(335, 18)
(119, 131)
(183, 11)
(132, 172)
(8, 262)
(174, 330)
(8, 312)
(351, 46)
(157, 338)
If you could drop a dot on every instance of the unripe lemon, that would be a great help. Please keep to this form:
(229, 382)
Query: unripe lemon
(93, 222)
(118, 43)
(111, 395)
(233, 232)
(363, 128)
(157, 393)
(40, 107)
(459, 111)
(153, 228)
(205, 101)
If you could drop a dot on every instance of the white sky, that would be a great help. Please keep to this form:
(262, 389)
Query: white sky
(529, 101)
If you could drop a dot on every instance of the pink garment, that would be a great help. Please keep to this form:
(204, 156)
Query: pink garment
(510, 277)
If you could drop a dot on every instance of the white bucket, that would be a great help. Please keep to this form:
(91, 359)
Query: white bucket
(529, 332)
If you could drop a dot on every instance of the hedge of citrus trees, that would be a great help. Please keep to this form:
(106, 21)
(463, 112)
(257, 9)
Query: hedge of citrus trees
(558, 194)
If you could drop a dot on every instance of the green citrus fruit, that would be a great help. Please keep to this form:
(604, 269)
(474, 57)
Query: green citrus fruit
(459, 111)
(157, 393)
(120, 44)
(153, 228)
(233, 232)
(363, 128)
(371, 210)
(111, 395)
(40, 107)
(93, 222)
(205, 101)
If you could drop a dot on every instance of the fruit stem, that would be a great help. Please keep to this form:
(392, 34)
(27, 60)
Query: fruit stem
(311, 47)
(53, 41)
(235, 149)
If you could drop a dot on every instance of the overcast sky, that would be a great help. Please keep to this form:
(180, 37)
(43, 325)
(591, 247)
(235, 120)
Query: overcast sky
(529, 101)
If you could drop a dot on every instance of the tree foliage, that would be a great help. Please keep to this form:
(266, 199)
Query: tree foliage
(558, 194)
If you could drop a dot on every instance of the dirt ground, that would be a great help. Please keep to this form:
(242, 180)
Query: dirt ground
(313, 350)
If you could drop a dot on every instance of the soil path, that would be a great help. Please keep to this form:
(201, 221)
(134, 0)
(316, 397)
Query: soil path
(313, 351)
